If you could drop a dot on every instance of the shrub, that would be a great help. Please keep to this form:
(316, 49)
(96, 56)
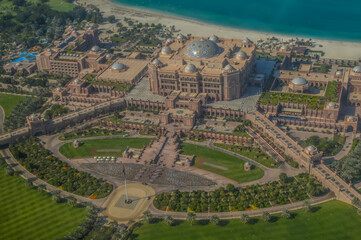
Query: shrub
(266, 217)
(245, 218)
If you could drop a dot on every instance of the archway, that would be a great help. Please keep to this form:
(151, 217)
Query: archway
(349, 129)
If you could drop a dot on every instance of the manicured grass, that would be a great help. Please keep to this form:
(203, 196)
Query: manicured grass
(58, 5)
(26, 213)
(252, 153)
(103, 147)
(221, 163)
(8, 102)
(333, 220)
(92, 132)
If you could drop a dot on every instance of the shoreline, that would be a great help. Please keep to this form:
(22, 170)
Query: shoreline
(333, 49)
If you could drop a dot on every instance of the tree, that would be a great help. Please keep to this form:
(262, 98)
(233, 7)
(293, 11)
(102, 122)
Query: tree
(9, 171)
(215, 220)
(287, 214)
(266, 217)
(307, 206)
(111, 19)
(283, 177)
(230, 187)
(56, 196)
(168, 220)
(191, 217)
(71, 201)
(356, 202)
(147, 216)
(245, 218)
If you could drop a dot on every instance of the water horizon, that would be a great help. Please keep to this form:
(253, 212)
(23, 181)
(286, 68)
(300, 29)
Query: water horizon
(261, 16)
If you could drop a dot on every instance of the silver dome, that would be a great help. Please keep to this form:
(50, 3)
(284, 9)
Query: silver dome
(351, 118)
(180, 36)
(95, 48)
(190, 68)
(241, 54)
(357, 69)
(214, 38)
(156, 61)
(202, 48)
(166, 50)
(169, 40)
(77, 80)
(58, 88)
(108, 55)
(299, 81)
(229, 67)
(311, 148)
(338, 73)
(118, 66)
(332, 104)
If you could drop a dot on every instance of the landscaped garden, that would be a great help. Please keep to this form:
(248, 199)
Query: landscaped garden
(29, 214)
(221, 163)
(332, 220)
(89, 132)
(38, 160)
(287, 190)
(314, 102)
(332, 91)
(8, 102)
(103, 147)
(255, 154)
(118, 86)
(328, 147)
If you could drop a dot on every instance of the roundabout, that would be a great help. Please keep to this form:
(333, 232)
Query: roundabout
(116, 207)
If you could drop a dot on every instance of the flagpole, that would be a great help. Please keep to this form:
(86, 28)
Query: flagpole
(125, 183)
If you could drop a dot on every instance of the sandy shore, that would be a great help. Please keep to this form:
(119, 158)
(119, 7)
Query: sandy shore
(332, 49)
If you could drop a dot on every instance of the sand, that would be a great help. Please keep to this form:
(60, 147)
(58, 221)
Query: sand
(333, 49)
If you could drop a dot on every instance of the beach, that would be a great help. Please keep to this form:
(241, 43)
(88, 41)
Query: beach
(333, 49)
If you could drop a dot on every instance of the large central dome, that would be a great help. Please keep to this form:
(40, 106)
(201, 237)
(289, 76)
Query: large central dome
(202, 48)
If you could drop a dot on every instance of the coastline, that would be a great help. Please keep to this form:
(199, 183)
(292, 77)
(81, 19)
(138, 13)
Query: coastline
(332, 48)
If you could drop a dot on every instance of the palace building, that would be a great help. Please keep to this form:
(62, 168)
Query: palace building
(220, 68)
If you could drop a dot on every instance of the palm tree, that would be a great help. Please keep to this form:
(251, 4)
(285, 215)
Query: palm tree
(147, 216)
(307, 206)
(245, 218)
(191, 217)
(266, 216)
(287, 214)
(214, 219)
(168, 220)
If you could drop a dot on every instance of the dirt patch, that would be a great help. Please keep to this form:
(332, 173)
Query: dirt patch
(200, 161)
(93, 150)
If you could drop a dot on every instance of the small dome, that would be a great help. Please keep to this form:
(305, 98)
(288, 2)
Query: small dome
(338, 73)
(311, 148)
(58, 88)
(166, 50)
(180, 36)
(35, 115)
(202, 48)
(214, 38)
(285, 47)
(190, 68)
(156, 61)
(95, 48)
(241, 54)
(77, 80)
(17, 64)
(229, 67)
(118, 66)
(332, 104)
(351, 118)
(168, 40)
(108, 55)
(76, 141)
(247, 40)
(357, 69)
(299, 81)
(247, 163)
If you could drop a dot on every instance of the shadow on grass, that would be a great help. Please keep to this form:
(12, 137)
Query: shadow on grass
(315, 209)
(223, 222)
(203, 222)
(253, 221)
(274, 219)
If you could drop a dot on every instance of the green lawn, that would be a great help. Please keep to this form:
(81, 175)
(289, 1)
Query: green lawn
(221, 163)
(333, 220)
(252, 153)
(26, 213)
(8, 102)
(58, 5)
(103, 147)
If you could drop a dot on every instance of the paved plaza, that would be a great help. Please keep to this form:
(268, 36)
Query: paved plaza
(142, 92)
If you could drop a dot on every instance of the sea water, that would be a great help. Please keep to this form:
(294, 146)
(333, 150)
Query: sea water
(328, 19)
